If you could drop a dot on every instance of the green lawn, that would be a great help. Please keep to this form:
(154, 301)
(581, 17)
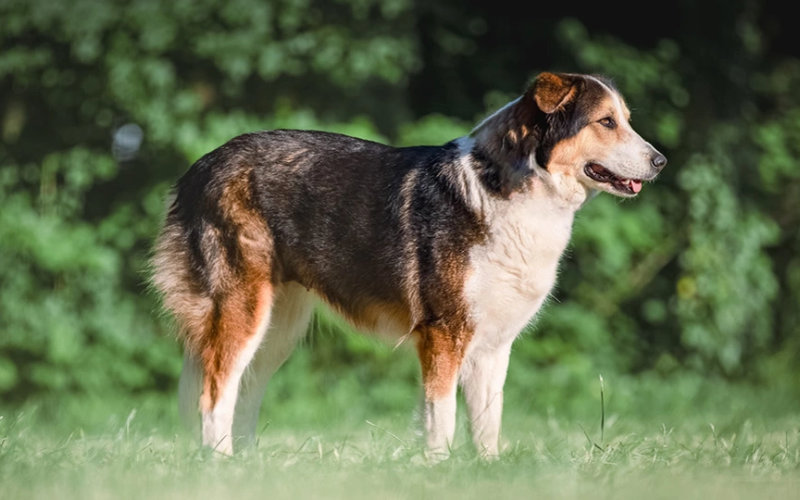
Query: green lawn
(726, 442)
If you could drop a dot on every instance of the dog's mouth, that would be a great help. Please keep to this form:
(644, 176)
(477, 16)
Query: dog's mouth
(599, 173)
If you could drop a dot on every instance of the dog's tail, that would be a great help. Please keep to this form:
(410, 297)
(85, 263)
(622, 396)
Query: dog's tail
(176, 276)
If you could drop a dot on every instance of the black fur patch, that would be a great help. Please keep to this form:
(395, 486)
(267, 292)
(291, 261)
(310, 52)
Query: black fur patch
(569, 120)
(501, 178)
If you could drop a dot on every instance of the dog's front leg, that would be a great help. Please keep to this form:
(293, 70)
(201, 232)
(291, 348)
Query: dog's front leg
(441, 351)
(482, 376)
(440, 423)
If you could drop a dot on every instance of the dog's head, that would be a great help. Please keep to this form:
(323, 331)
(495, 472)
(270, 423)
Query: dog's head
(586, 133)
(574, 126)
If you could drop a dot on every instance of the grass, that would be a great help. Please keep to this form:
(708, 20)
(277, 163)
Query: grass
(741, 443)
(547, 461)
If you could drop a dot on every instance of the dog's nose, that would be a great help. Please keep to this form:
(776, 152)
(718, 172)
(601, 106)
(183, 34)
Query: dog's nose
(658, 160)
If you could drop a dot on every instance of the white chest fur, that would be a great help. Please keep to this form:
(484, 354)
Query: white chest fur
(514, 270)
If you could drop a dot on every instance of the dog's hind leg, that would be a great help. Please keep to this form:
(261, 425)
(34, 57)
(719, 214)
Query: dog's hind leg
(482, 376)
(212, 264)
(238, 325)
(289, 322)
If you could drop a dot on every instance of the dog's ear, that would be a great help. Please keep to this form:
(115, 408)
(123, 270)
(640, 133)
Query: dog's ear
(552, 91)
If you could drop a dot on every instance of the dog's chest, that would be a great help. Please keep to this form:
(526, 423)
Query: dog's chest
(513, 271)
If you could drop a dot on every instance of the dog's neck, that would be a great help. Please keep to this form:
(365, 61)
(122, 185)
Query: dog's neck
(509, 136)
(504, 147)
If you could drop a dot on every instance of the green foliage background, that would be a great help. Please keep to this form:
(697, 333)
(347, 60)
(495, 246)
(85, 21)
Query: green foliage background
(699, 275)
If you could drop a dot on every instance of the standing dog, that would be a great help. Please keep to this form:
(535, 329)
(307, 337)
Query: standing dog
(456, 246)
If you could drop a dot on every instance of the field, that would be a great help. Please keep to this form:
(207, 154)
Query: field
(682, 437)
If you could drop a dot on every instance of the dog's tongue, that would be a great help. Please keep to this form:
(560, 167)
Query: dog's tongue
(634, 185)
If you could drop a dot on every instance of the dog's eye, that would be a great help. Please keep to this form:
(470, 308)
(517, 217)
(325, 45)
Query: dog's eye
(608, 122)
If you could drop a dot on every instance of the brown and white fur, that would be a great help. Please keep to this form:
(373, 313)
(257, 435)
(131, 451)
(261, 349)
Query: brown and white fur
(454, 246)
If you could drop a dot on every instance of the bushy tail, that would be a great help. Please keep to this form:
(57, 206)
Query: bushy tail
(175, 279)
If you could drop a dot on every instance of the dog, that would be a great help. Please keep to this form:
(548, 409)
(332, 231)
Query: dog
(454, 246)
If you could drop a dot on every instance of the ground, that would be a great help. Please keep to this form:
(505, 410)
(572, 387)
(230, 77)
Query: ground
(703, 447)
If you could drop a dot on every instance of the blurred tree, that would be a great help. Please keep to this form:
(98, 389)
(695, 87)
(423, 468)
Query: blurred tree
(104, 105)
